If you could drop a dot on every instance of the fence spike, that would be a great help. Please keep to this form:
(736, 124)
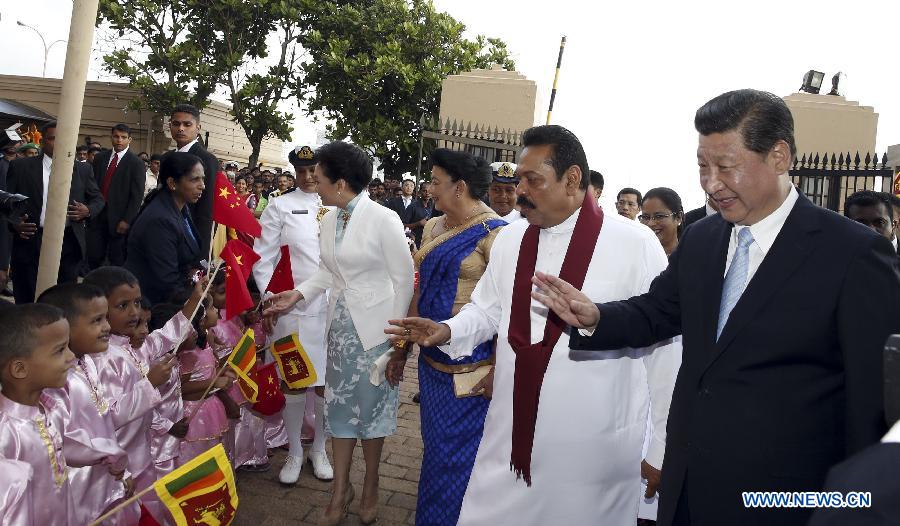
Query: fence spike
(856, 160)
(884, 161)
(803, 161)
(833, 161)
(816, 161)
(868, 160)
(841, 160)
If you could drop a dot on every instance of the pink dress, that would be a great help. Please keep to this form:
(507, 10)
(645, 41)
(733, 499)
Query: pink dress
(247, 436)
(16, 502)
(39, 436)
(92, 489)
(132, 400)
(165, 448)
(208, 421)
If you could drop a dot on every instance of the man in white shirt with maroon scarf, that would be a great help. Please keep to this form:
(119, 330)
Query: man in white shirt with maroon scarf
(562, 438)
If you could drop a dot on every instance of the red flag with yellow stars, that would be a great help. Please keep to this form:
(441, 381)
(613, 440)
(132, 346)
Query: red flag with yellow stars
(239, 260)
(229, 209)
(283, 277)
(270, 399)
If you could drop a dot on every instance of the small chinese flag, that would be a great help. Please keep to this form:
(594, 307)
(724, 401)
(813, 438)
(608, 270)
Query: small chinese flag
(296, 369)
(202, 491)
(239, 260)
(283, 277)
(270, 399)
(243, 359)
(229, 209)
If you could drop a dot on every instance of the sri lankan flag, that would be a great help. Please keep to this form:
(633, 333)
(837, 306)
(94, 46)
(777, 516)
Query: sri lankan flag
(201, 491)
(296, 369)
(243, 360)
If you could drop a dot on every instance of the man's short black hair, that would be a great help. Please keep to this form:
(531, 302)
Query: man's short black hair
(18, 327)
(597, 179)
(70, 297)
(342, 160)
(156, 157)
(122, 127)
(375, 182)
(640, 198)
(81, 148)
(864, 198)
(94, 149)
(186, 108)
(892, 199)
(567, 149)
(761, 118)
(108, 278)
(47, 126)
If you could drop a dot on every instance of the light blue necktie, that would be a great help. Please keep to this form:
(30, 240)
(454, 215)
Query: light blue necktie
(735, 278)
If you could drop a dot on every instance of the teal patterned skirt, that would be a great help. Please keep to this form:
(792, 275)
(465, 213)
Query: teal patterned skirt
(354, 408)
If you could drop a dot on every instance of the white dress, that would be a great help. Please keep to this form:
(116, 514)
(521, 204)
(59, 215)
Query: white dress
(300, 232)
(593, 407)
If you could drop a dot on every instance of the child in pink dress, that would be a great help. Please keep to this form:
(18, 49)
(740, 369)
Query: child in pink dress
(207, 421)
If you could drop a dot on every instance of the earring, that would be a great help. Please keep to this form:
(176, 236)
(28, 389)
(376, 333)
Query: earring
(458, 195)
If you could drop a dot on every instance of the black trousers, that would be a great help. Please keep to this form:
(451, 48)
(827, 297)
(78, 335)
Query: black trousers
(24, 264)
(103, 245)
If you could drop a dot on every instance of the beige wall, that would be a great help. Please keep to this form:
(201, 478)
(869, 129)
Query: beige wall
(105, 105)
(489, 97)
(832, 124)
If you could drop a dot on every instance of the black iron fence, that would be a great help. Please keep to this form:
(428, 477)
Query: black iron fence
(827, 179)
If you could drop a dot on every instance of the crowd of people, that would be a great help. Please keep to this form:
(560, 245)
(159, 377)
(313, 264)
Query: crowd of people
(574, 365)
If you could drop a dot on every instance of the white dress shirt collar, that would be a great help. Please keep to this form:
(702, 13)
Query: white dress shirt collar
(187, 147)
(766, 230)
(118, 156)
(566, 226)
(407, 201)
(710, 210)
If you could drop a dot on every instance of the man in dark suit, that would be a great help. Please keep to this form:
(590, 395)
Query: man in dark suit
(120, 174)
(697, 214)
(783, 307)
(184, 123)
(5, 239)
(31, 177)
(411, 212)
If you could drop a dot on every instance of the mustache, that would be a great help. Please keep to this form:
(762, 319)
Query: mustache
(522, 201)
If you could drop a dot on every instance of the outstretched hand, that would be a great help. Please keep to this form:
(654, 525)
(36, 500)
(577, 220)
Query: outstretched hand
(570, 304)
(277, 305)
(422, 331)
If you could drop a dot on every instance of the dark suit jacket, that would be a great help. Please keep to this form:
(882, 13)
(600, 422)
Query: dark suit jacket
(693, 216)
(126, 190)
(160, 251)
(5, 239)
(26, 177)
(873, 470)
(410, 214)
(794, 383)
(202, 210)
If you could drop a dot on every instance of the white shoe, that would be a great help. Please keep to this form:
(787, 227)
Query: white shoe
(321, 465)
(291, 470)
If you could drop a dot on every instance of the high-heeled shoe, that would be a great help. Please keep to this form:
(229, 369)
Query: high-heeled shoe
(336, 517)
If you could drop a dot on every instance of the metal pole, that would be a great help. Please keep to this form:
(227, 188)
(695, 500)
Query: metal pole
(421, 140)
(44, 42)
(78, 55)
(562, 47)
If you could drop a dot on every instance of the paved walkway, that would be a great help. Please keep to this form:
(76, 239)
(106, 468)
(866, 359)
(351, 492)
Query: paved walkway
(265, 502)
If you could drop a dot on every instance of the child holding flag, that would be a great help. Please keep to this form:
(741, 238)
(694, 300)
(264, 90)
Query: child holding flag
(92, 489)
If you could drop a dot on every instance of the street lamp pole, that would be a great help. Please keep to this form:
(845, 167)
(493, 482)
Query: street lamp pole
(44, 42)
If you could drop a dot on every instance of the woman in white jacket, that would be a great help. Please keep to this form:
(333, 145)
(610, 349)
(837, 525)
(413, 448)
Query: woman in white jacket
(366, 266)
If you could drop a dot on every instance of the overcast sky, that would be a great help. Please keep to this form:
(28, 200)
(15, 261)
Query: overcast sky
(633, 73)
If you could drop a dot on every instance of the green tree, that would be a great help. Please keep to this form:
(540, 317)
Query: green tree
(376, 67)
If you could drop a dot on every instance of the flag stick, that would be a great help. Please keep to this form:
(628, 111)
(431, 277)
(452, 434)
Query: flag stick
(212, 238)
(199, 303)
(122, 505)
(562, 47)
(208, 389)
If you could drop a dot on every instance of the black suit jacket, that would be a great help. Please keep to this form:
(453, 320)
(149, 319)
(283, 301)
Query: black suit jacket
(873, 470)
(26, 177)
(693, 216)
(202, 210)
(794, 383)
(5, 239)
(160, 251)
(410, 214)
(126, 190)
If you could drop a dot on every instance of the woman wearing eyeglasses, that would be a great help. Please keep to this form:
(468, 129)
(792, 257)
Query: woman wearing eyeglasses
(663, 213)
